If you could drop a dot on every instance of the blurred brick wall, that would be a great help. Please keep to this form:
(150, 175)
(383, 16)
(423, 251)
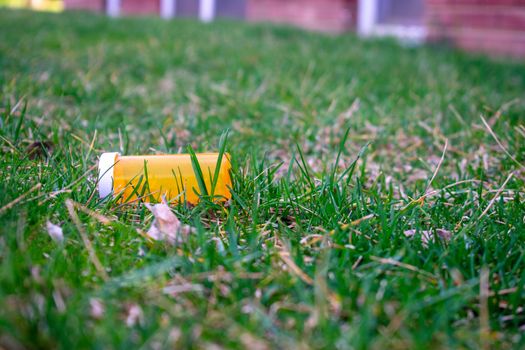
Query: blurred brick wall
(92, 5)
(325, 15)
(491, 26)
(140, 7)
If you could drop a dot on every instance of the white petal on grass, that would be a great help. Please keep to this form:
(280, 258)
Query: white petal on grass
(165, 225)
(426, 236)
(55, 232)
(444, 234)
(175, 289)
(96, 308)
(134, 315)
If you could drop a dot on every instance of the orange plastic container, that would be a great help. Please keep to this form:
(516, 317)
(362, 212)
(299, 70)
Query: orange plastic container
(148, 178)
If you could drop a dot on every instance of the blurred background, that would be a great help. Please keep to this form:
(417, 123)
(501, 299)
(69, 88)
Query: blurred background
(495, 27)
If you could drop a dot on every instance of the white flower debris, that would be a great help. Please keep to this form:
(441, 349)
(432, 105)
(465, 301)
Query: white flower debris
(134, 315)
(165, 226)
(97, 308)
(55, 232)
(426, 236)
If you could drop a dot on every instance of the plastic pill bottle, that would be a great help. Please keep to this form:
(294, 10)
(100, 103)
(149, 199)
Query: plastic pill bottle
(148, 178)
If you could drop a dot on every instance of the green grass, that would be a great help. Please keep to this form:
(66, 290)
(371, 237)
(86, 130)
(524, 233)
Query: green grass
(334, 141)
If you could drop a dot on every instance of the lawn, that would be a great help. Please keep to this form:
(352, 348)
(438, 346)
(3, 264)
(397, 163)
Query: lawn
(378, 190)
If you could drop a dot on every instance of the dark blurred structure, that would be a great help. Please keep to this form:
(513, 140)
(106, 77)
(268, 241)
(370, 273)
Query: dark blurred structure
(492, 26)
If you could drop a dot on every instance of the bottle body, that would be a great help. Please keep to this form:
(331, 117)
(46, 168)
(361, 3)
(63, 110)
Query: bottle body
(149, 178)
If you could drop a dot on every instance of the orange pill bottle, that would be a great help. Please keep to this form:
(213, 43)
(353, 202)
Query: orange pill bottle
(149, 178)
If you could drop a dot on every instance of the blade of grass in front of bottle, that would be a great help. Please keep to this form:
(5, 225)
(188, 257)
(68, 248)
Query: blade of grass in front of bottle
(222, 148)
(198, 173)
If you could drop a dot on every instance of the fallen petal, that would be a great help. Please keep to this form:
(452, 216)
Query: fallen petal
(426, 235)
(444, 234)
(97, 308)
(165, 225)
(55, 232)
(134, 315)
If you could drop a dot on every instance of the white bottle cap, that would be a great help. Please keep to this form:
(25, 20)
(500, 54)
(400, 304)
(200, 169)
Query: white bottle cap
(106, 164)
